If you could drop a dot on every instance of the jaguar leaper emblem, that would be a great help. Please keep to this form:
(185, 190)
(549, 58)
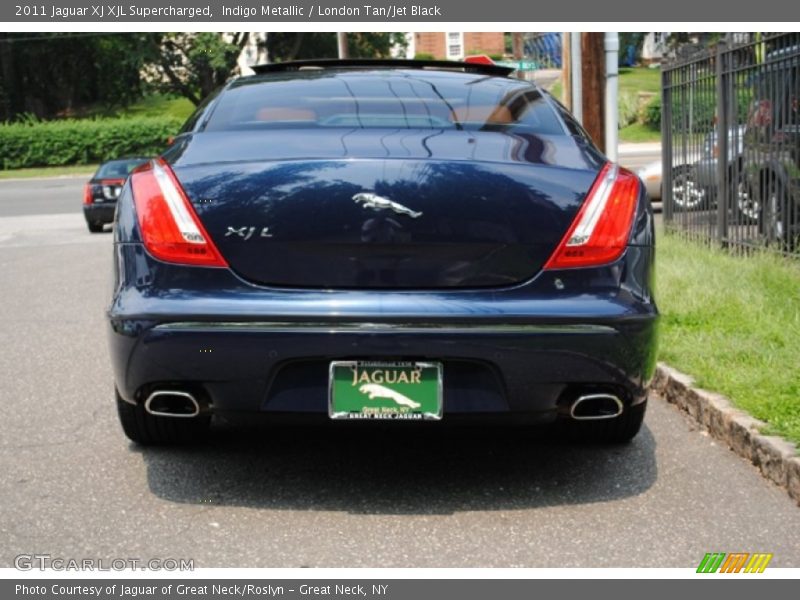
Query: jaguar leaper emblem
(373, 390)
(375, 202)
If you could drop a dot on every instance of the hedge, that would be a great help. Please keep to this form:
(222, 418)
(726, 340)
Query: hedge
(651, 113)
(82, 141)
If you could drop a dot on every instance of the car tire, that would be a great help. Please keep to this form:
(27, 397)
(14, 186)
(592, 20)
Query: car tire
(619, 430)
(777, 221)
(95, 227)
(148, 430)
(747, 205)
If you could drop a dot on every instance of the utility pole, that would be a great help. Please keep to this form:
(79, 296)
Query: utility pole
(516, 45)
(341, 42)
(594, 82)
(611, 43)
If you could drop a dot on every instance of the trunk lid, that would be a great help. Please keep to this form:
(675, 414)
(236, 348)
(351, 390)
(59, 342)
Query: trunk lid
(380, 210)
(387, 223)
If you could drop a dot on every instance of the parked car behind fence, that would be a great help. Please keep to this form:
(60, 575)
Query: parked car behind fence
(739, 101)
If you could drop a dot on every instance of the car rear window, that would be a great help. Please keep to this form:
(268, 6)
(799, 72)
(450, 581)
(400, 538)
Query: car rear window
(397, 99)
(118, 169)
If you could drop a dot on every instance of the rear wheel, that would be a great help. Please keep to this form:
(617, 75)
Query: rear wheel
(778, 222)
(146, 429)
(687, 194)
(747, 204)
(94, 227)
(619, 430)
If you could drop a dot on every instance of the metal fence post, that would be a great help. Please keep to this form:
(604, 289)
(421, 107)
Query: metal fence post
(666, 144)
(723, 127)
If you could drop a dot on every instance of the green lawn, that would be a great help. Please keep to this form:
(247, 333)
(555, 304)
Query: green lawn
(631, 79)
(638, 132)
(733, 323)
(154, 105)
(639, 79)
(87, 170)
(158, 105)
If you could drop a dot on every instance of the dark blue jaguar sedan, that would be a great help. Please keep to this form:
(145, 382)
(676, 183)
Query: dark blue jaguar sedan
(382, 240)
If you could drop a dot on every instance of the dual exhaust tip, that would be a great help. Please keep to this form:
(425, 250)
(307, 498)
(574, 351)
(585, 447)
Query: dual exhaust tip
(595, 407)
(172, 403)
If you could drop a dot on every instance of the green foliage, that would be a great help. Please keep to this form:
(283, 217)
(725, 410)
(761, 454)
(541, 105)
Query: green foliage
(69, 142)
(651, 113)
(375, 44)
(193, 64)
(423, 56)
(57, 74)
(287, 46)
(627, 108)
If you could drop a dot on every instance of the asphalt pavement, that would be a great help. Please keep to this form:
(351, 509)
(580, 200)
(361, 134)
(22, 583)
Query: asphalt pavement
(73, 487)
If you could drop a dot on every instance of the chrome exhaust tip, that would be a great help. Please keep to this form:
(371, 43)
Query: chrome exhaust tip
(594, 407)
(172, 403)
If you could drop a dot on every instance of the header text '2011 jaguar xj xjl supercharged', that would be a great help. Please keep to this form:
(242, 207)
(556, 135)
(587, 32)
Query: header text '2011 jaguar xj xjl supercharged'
(382, 240)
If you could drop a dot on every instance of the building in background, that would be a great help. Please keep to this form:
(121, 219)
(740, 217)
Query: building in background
(654, 46)
(455, 45)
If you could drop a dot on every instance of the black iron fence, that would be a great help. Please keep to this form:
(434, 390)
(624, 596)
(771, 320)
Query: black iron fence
(731, 143)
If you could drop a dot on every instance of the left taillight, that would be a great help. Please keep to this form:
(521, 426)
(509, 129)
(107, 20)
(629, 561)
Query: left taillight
(599, 234)
(87, 194)
(170, 228)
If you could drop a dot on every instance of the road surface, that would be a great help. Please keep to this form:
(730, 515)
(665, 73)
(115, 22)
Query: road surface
(73, 487)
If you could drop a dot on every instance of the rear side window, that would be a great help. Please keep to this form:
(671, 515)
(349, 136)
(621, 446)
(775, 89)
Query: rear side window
(397, 99)
(199, 112)
(118, 169)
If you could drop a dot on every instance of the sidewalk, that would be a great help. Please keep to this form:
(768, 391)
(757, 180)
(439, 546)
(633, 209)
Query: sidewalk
(640, 148)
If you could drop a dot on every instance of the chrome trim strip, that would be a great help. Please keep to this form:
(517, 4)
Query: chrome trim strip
(366, 327)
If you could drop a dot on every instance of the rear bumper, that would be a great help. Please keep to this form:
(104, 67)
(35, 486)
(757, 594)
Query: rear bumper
(514, 352)
(283, 367)
(99, 213)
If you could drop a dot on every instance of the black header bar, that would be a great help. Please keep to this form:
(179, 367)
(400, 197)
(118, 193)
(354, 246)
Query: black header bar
(712, 12)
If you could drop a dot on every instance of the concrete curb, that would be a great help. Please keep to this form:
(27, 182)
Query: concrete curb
(775, 457)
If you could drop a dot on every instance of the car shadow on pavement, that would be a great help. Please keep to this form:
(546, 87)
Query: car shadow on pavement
(397, 470)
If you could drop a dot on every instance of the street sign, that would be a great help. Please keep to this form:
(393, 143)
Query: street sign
(519, 65)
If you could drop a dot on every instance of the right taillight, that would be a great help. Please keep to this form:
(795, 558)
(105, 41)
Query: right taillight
(87, 193)
(600, 231)
(169, 226)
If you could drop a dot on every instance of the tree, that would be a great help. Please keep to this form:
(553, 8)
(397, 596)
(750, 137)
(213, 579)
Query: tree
(286, 46)
(60, 74)
(194, 64)
(630, 47)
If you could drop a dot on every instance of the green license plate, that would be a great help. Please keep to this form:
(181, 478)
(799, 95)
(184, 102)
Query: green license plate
(385, 390)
